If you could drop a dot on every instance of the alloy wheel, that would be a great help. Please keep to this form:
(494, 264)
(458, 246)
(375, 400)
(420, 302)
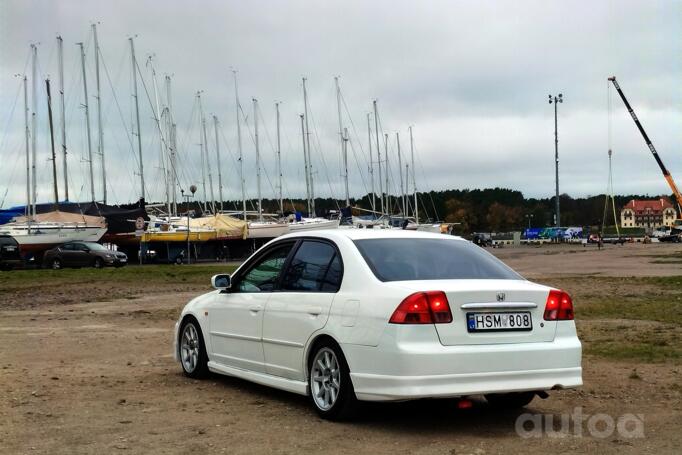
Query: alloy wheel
(326, 379)
(189, 348)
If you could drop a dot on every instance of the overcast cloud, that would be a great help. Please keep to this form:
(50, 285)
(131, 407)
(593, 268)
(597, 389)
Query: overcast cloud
(472, 78)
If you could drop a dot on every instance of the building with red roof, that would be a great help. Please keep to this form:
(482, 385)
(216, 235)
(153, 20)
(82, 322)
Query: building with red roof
(648, 214)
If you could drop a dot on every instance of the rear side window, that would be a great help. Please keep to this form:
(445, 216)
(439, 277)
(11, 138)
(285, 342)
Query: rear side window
(315, 267)
(406, 259)
(68, 247)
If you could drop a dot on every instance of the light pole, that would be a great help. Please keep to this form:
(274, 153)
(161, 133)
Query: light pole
(192, 189)
(529, 217)
(556, 100)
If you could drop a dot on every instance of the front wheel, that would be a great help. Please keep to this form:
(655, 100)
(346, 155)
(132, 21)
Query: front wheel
(56, 264)
(331, 389)
(192, 351)
(99, 263)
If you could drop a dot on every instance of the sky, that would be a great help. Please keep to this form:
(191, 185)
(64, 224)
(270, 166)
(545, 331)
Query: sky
(472, 78)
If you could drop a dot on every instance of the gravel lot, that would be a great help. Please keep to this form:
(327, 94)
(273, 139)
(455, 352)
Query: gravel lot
(97, 376)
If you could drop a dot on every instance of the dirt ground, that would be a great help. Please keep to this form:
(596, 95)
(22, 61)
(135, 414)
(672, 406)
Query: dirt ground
(98, 376)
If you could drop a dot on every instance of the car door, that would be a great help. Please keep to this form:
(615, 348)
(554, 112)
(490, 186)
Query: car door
(236, 315)
(67, 255)
(82, 255)
(300, 306)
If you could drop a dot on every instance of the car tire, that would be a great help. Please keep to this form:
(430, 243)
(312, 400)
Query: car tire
(56, 264)
(192, 351)
(99, 263)
(512, 400)
(331, 390)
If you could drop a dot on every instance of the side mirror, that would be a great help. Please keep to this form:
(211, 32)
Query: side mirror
(221, 281)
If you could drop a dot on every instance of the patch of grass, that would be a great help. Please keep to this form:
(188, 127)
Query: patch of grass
(659, 309)
(642, 351)
(19, 280)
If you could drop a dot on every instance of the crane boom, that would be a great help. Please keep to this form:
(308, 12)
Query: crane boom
(666, 173)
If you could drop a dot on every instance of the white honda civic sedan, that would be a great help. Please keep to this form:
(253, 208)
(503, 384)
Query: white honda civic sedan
(351, 315)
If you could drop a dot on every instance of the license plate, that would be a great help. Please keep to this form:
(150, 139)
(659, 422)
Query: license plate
(499, 322)
(10, 248)
(123, 260)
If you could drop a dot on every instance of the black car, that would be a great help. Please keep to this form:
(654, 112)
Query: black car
(10, 256)
(83, 254)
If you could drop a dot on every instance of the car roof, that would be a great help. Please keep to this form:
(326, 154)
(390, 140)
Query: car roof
(362, 234)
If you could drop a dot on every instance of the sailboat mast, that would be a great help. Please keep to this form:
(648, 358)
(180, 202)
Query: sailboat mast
(414, 180)
(255, 127)
(28, 153)
(162, 143)
(376, 132)
(310, 161)
(217, 155)
(239, 144)
(137, 118)
(400, 173)
(387, 169)
(172, 147)
(87, 123)
(344, 147)
(407, 179)
(279, 161)
(305, 160)
(208, 163)
(201, 145)
(34, 115)
(100, 132)
(342, 138)
(371, 164)
(62, 114)
(54, 156)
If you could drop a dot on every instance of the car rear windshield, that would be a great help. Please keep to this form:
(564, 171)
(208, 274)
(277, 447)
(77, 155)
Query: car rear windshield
(406, 259)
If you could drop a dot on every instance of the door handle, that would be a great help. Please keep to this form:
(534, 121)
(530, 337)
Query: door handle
(255, 308)
(314, 310)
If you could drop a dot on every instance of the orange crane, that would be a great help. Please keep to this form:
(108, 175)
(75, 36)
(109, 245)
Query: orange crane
(666, 173)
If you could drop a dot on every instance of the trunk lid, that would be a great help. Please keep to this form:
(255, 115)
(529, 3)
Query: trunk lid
(494, 299)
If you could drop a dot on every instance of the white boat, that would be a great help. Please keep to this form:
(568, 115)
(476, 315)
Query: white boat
(266, 229)
(311, 224)
(49, 229)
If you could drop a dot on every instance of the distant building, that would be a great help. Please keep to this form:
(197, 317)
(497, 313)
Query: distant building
(651, 214)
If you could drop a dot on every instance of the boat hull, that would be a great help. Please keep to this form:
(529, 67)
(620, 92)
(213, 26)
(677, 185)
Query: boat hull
(44, 238)
(267, 230)
(313, 225)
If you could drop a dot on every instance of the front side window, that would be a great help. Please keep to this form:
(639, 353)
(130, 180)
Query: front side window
(262, 277)
(315, 267)
(404, 259)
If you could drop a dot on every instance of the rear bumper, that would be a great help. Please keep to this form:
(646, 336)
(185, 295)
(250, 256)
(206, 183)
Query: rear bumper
(423, 369)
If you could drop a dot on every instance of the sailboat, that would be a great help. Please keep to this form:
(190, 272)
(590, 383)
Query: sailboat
(36, 232)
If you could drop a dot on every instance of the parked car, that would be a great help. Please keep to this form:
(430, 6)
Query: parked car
(83, 254)
(381, 315)
(10, 255)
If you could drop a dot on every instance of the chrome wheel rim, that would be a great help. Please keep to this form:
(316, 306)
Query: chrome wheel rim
(325, 376)
(56, 264)
(189, 348)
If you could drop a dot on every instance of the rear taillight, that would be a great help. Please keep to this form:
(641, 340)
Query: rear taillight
(559, 306)
(429, 307)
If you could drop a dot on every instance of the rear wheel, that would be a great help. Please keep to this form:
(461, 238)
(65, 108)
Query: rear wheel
(512, 400)
(331, 389)
(192, 351)
(56, 264)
